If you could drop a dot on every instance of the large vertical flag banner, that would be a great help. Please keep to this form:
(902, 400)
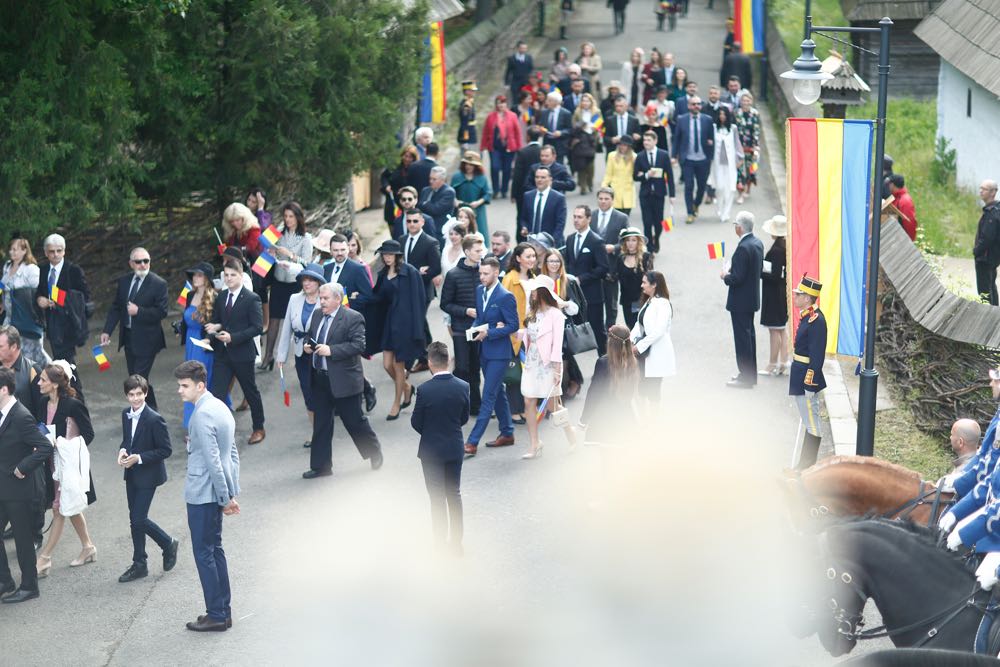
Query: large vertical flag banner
(434, 88)
(748, 25)
(829, 201)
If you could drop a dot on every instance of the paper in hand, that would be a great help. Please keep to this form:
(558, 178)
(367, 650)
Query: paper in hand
(767, 266)
(202, 343)
(471, 332)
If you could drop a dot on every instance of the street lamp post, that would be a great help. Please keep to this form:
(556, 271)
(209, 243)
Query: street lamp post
(807, 77)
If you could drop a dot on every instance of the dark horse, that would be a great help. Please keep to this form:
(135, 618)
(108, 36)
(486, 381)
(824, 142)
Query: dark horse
(927, 595)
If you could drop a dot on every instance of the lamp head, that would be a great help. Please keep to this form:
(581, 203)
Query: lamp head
(807, 75)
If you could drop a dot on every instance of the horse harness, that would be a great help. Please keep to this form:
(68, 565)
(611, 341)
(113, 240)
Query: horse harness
(906, 509)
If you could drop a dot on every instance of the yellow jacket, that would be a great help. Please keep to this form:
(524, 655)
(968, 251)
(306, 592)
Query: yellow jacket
(512, 283)
(618, 175)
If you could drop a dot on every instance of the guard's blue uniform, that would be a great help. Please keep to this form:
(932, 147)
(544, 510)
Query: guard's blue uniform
(808, 354)
(467, 122)
(983, 532)
(982, 465)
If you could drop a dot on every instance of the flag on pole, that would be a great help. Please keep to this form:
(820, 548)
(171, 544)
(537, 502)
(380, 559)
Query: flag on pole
(102, 360)
(597, 120)
(222, 246)
(667, 223)
(263, 264)
(433, 90)
(269, 237)
(284, 390)
(57, 295)
(748, 25)
(829, 194)
(182, 299)
(717, 250)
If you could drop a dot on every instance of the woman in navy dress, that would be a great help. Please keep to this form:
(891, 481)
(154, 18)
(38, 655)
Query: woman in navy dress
(197, 311)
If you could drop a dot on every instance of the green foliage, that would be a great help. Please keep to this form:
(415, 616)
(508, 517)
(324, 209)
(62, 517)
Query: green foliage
(104, 103)
(944, 167)
(789, 17)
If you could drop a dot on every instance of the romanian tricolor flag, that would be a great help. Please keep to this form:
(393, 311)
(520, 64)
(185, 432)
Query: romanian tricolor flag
(182, 299)
(829, 195)
(748, 26)
(263, 264)
(270, 236)
(284, 389)
(597, 120)
(102, 361)
(57, 295)
(667, 223)
(717, 250)
(433, 90)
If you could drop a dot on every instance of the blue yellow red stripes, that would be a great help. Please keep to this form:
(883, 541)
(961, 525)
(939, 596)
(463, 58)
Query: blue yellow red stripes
(433, 99)
(829, 179)
(748, 25)
(856, 210)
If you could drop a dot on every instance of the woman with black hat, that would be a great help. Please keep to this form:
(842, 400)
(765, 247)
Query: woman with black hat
(197, 311)
(295, 330)
(396, 328)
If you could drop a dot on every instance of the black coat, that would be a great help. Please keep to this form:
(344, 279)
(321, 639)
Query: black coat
(441, 410)
(563, 124)
(607, 407)
(396, 179)
(517, 73)
(408, 306)
(151, 443)
(526, 156)
(736, 64)
(68, 407)
(773, 295)
(419, 174)
(562, 180)
(987, 247)
(744, 276)
(147, 329)
(22, 446)
(458, 294)
(611, 130)
(654, 187)
(244, 323)
(590, 266)
(66, 324)
(426, 252)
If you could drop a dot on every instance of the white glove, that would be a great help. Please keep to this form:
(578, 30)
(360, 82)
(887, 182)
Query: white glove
(986, 573)
(947, 521)
(954, 540)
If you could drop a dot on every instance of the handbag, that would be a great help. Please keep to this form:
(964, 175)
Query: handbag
(579, 338)
(514, 369)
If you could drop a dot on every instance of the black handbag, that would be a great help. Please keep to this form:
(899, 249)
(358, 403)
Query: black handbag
(579, 338)
(514, 368)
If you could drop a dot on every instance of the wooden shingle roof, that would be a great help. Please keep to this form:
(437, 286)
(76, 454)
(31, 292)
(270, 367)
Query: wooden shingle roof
(966, 33)
(897, 10)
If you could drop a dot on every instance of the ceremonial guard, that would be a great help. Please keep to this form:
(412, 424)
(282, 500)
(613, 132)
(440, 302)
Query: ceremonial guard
(981, 466)
(467, 138)
(806, 377)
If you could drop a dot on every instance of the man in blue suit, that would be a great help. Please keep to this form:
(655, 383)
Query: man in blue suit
(694, 149)
(656, 180)
(543, 209)
(497, 309)
(743, 279)
(145, 445)
(441, 410)
(210, 490)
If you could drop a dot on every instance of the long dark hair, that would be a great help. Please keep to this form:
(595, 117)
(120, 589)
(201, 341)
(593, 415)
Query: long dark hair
(621, 359)
(656, 278)
(540, 295)
(300, 216)
(718, 118)
(519, 249)
(58, 377)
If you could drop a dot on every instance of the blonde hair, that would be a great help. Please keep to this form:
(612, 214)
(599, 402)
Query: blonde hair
(238, 211)
(207, 304)
(23, 245)
(640, 251)
(594, 108)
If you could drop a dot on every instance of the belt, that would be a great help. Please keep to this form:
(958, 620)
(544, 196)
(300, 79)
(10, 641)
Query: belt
(799, 357)
(320, 371)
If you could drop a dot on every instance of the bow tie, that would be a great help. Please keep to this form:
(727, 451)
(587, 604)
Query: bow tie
(134, 415)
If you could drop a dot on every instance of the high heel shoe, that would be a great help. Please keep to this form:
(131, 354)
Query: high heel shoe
(266, 366)
(393, 417)
(409, 397)
(537, 454)
(43, 565)
(88, 555)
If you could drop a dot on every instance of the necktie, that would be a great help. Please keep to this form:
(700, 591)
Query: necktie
(652, 161)
(131, 296)
(537, 220)
(579, 242)
(602, 222)
(409, 247)
(553, 117)
(336, 270)
(621, 126)
(229, 304)
(486, 299)
(697, 132)
(318, 361)
(52, 278)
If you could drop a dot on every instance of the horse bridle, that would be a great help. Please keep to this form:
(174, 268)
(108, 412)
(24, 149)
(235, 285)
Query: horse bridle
(817, 510)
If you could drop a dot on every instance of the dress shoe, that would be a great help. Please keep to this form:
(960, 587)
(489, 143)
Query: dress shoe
(134, 571)
(470, 450)
(242, 407)
(170, 555)
(377, 460)
(88, 555)
(739, 384)
(20, 595)
(307, 444)
(206, 624)
(520, 421)
(204, 617)
(9, 587)
(420, 367)
(43, 565)
(257, 436)
(313, 474)
(502, 441)
(370, 399)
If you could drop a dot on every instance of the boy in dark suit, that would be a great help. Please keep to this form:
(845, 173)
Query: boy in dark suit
(656, 180)
(145, 445)
(441, 410)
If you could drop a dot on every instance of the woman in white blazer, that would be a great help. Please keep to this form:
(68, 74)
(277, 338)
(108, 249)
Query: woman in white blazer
(295, 330)
(651, 337)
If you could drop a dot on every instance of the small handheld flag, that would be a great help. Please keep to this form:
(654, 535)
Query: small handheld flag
(717, 250)
(541, 410)
(270, 236)
(222, 246)
(1, 289)
(263, 264)
(396, 212)
(182, 299)
(284, 390)
(667, 223)
(58, 296)
(102, 361)
(598, 121)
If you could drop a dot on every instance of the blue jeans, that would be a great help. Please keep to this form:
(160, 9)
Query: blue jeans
(500, 166)
(205, 522)
(493, 396)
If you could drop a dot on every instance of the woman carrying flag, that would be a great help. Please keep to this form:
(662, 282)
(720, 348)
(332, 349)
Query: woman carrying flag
(588, 128)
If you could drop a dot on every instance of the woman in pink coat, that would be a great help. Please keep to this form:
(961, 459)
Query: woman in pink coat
(502, 138)
(543, 339)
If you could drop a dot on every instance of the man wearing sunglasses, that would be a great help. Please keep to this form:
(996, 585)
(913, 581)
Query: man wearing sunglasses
(140, 306)
(407, 199)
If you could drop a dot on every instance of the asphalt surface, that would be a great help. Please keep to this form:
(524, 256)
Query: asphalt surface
(666, 549)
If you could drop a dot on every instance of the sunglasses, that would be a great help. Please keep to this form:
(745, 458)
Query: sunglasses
(407, 199)
(140, 261)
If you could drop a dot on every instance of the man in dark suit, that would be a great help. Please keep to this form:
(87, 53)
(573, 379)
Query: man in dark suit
(736, 64)
(543, 209)
(66, 325)
(236, 320)
(574, 93)
(23, 452)
(619, 124)
(140, 305)
(587, 259)
(336, 343)
(422, 253)
(743, 279)
(419, 175)
(527, 157)
(562, 180)
(407, 198)
(608, 223)
(693, 148)
(441, 410)
(655, 175)
(438, 201)
(519, 68)
(145, 445)
(353, 277)
(574, 74)
(500, 247)
(555, 124)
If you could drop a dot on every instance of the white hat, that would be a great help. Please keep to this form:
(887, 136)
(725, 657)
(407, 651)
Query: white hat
(322, 240)
(776, 226)
(543, 282)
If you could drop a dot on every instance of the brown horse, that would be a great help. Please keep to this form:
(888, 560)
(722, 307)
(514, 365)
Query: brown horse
(846, 486)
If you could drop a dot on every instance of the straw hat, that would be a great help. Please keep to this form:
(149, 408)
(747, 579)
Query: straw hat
(543, 282)
(472, 157)
(322, 240)
(776, 226)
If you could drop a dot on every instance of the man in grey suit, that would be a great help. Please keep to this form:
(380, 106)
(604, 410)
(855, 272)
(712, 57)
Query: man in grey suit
(336, 342)
(608, 223)
(210, 490)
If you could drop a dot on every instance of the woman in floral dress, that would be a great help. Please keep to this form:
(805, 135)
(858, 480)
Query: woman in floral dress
(748, 125)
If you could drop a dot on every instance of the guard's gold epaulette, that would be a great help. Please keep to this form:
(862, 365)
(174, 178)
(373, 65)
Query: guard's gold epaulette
(814, 317)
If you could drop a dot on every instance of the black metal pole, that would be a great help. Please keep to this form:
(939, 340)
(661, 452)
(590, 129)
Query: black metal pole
(808, 20)
(869, 376)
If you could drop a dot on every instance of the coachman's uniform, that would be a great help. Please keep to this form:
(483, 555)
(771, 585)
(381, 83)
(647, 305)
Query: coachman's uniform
(467, 135)
(806, 375)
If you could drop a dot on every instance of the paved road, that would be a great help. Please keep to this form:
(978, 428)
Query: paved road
(670, 545)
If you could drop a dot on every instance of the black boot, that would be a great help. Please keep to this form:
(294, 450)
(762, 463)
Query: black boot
(810, 450)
